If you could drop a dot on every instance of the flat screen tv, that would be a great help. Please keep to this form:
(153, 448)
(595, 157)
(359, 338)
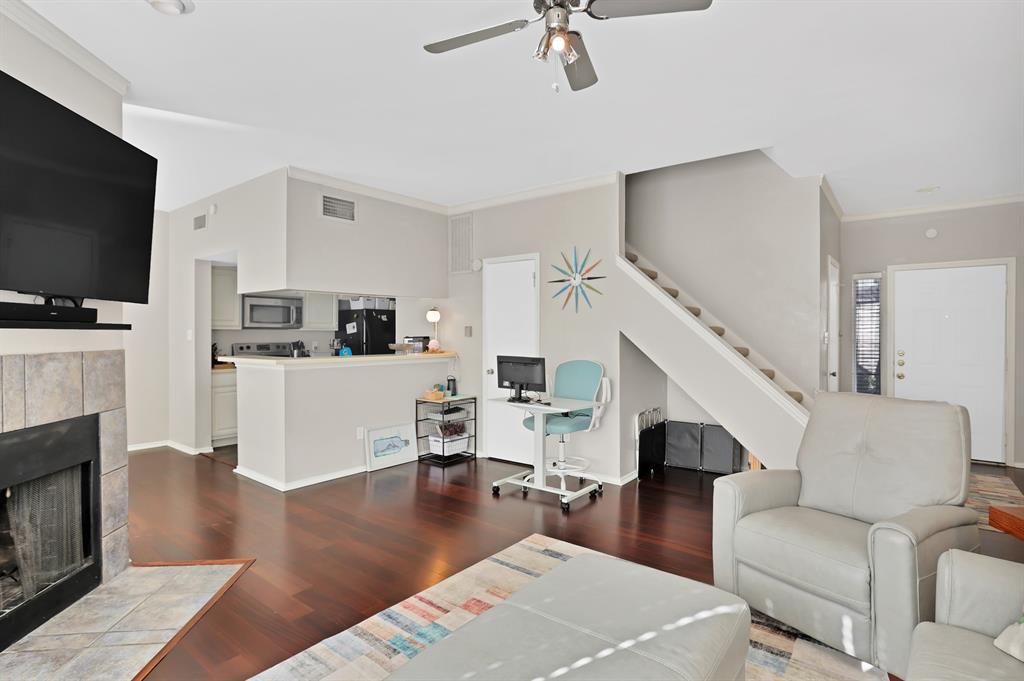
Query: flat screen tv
(76, 203)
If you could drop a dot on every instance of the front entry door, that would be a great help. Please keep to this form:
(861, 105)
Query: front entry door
(511, 326)
(949, 344)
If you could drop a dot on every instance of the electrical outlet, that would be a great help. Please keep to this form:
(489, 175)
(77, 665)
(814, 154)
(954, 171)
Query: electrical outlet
(360, 432)
(469, 332)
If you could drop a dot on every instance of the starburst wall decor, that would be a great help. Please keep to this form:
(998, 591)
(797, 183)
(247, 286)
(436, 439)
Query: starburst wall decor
(577, 277)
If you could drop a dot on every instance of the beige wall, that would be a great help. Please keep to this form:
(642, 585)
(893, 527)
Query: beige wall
(38, 65)
(968, 234)
(548, 225)
(744, 238)
(391, 249)
(147, 372)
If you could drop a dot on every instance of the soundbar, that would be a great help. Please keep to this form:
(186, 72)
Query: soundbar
(29, 312)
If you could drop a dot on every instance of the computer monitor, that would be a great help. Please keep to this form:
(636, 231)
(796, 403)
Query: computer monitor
(521, 373)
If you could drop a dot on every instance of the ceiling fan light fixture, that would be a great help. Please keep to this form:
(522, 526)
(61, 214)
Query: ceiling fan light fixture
(542, 49)
(172, 7)
(559, 41)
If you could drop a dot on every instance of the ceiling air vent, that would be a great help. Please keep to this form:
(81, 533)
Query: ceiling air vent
(460, 243)
(199, 222)
(339, 209)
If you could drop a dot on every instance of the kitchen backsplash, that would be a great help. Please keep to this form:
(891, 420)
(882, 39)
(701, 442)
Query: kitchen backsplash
(224, 339)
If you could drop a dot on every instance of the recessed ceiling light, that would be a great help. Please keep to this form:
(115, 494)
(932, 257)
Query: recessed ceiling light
(172, 7)
(928, 190)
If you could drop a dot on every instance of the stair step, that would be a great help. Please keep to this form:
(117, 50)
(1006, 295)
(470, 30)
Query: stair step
(743, 351)
(695, 311)
(718, 329)
(632, 257)
(650, 273)
(798, 396)
(770, 373)
(674, 292)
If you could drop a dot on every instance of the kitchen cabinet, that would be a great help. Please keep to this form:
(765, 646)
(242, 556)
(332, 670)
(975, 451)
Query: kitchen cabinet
(224, 402)
(227, 304)
(320, 312)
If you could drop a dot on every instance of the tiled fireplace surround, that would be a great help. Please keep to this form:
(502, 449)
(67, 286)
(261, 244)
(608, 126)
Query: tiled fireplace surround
(45, 388)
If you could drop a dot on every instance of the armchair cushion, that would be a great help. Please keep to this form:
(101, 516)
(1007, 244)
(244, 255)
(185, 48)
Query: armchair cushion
(941, 652)
(873, 458)
(980, 593)
(819, 552)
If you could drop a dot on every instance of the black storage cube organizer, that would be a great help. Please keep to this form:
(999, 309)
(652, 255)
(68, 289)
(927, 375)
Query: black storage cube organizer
(652, 448)
(721, 453)
(682, 445)
(702, 447)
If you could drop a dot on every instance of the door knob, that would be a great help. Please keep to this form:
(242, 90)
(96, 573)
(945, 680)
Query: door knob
(900, 376)
(490, 372)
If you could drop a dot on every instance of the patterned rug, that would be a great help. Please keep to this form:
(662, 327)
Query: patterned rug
(991, 489)
(374, 648)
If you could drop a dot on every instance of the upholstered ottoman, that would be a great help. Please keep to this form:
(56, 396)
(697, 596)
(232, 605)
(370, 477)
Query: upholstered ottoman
(597, 617)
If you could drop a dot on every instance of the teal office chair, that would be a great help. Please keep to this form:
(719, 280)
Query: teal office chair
(577, 379)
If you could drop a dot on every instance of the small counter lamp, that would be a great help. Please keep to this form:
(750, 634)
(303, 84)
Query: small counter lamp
(434, 316)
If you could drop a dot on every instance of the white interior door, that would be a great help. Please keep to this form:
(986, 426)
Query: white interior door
(832, 328)
(949, 343)
(511, 326)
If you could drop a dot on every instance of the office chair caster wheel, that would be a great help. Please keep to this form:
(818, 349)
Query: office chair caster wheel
(565, 506)
(495, 490)
(593, 494)
(526, 491)
(600, 488)
(582, 480)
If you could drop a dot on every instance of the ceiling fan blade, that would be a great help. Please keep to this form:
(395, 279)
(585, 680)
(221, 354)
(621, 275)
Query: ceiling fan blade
(476, 36)
(614, 9)
(580, 73)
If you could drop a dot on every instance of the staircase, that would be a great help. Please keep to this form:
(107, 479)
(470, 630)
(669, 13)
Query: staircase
(754, 401)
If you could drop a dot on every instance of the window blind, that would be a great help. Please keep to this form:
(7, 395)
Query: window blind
(867, 334)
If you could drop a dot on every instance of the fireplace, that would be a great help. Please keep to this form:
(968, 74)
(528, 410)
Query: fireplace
(50, 521)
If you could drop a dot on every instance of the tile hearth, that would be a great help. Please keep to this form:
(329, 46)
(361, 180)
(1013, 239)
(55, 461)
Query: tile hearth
(112, 633)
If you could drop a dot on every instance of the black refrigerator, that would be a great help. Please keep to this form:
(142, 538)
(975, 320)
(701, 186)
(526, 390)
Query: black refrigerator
(367, 332)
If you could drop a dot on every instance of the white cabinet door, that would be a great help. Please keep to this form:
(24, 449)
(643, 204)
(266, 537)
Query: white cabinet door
(225, 405)
(227, 304)
(320, 312)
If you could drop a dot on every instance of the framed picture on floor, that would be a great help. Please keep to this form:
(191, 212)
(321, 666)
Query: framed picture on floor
(390, 446)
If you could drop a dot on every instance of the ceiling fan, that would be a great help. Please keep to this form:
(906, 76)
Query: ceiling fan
(568, 45)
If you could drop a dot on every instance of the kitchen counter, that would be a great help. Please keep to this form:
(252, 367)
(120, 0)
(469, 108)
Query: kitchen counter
(303, 420)
(333, 361)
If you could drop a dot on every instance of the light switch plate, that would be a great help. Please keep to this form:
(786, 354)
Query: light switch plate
(360, 432)
(469, 332)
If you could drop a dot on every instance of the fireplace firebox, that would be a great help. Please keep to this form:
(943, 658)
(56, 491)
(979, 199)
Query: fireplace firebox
(50, 553)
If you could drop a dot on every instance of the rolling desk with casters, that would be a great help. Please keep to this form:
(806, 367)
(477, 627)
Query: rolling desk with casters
(537, 478)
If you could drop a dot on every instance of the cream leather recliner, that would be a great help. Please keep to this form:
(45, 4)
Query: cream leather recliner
(845, 548)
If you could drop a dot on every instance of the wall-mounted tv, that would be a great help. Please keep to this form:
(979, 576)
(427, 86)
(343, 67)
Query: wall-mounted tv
(76, 203)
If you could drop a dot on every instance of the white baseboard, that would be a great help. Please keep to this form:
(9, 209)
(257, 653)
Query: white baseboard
(139, 446)
(184, 449)
(617, 481)
(225, 441)
(281, 486)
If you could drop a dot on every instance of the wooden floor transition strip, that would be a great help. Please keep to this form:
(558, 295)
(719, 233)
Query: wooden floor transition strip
(245, 563)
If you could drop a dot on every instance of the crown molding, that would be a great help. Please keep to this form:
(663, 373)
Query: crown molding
(830, 196)
(33, 22)
(998, 201)
(364, 190)
(536, 193)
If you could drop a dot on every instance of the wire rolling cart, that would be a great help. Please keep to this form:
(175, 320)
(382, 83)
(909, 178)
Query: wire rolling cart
(438, 423)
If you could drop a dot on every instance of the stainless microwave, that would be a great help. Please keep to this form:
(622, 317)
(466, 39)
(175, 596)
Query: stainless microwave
(266, 312)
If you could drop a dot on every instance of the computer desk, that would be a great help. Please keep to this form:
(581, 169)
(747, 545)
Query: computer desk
(537, 478)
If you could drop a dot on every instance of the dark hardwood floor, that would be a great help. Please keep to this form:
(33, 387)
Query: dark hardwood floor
(331, 555)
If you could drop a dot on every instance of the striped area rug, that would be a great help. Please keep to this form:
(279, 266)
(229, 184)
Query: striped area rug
(374, 648)
(991, 489)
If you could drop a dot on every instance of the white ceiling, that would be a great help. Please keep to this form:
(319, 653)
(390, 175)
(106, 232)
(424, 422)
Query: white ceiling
(881, 97)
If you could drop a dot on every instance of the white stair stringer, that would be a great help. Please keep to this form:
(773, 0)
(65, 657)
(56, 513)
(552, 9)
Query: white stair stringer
(755, 410)
(730, 337)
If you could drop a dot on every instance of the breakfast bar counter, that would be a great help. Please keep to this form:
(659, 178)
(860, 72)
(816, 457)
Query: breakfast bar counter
(303, 420)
